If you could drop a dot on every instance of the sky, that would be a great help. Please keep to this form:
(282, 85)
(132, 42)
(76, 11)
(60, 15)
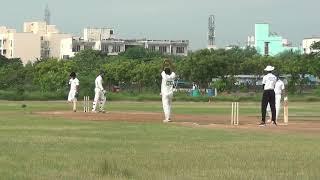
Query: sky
(172, 19)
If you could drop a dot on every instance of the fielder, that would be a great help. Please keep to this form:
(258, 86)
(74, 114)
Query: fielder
(74, 90)
(99, 97)
(268, 82)
(167, 88)
(278, 90)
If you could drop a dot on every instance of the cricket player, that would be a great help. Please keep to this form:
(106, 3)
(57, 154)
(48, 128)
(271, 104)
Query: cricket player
(74, 90)
(278, 90)
(167, 89)
(99, 97)
(268, 82)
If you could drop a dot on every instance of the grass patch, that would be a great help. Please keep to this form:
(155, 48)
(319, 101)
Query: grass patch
(34, 147)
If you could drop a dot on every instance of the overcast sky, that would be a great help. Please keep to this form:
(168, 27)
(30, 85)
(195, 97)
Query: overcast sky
(172, 19)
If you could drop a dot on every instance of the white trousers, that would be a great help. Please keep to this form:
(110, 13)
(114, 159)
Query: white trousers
(278, 104)
(72, 98)
(166, 104)
(99, 98)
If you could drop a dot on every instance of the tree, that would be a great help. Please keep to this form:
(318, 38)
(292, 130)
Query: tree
(52, 75)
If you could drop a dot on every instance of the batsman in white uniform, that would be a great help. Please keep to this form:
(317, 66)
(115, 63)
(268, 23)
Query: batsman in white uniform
(167, 88)
(74, 90)
(99, 97)
(278, 90)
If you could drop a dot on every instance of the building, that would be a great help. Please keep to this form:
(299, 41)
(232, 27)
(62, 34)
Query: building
(98, 34)
(25, 46)
(267, 43)
(102, 39)
(307, 43)
(41, 40)
(50, 37)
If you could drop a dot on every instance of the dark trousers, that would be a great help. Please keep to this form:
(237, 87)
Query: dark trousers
(268, 97)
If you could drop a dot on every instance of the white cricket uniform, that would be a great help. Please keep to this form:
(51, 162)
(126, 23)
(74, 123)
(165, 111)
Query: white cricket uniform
(278, 88)
(167, 92)
(99, 97)
(73, 89)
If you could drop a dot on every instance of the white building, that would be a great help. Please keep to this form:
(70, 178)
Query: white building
(70, 46)
(50, 37)
(98, 34)
(307, 43)
(25, 46)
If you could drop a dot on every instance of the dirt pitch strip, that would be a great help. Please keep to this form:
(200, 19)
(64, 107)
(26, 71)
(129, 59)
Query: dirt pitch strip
(298, 124)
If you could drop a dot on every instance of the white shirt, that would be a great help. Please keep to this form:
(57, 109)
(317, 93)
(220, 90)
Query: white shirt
(98, 83)
(279, 87)
(167, 83)
(269, 81)
(73, 84)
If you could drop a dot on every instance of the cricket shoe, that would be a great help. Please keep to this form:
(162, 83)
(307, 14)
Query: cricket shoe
(167, 120)
(262, 124)
(274, 123)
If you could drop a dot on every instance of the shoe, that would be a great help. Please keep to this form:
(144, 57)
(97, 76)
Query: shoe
(74, 110)
(93, 111)
(262, 124)
(274, 123)
(166, 120)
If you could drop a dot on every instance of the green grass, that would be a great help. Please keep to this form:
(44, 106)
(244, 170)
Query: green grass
(34, 147)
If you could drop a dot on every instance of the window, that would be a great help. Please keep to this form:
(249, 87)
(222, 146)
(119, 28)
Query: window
(104, 48)
(116, 48)
(66, 57)
(4, 52)
(111, 32)
(266, 48)
(163, 49)
(0, 43)
(11, 53)
(152, 48)
(10, 43)
(180, 50)
(76, 48)
(41, 38)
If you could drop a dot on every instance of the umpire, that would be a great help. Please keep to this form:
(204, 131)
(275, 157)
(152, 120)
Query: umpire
(268, 82)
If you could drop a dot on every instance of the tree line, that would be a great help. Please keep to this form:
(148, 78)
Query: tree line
(138, 69)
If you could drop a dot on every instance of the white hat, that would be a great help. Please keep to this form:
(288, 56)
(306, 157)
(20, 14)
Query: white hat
(269, 68)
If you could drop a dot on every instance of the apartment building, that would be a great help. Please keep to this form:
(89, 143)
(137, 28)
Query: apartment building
(50, 37)
(25, 46)
(98, 34)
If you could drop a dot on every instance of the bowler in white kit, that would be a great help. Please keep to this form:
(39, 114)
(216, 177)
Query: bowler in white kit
(74, 90)
(167, 89)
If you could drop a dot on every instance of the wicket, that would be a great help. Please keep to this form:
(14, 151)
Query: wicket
(86, 104)
(235, 113)
(285, 111)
